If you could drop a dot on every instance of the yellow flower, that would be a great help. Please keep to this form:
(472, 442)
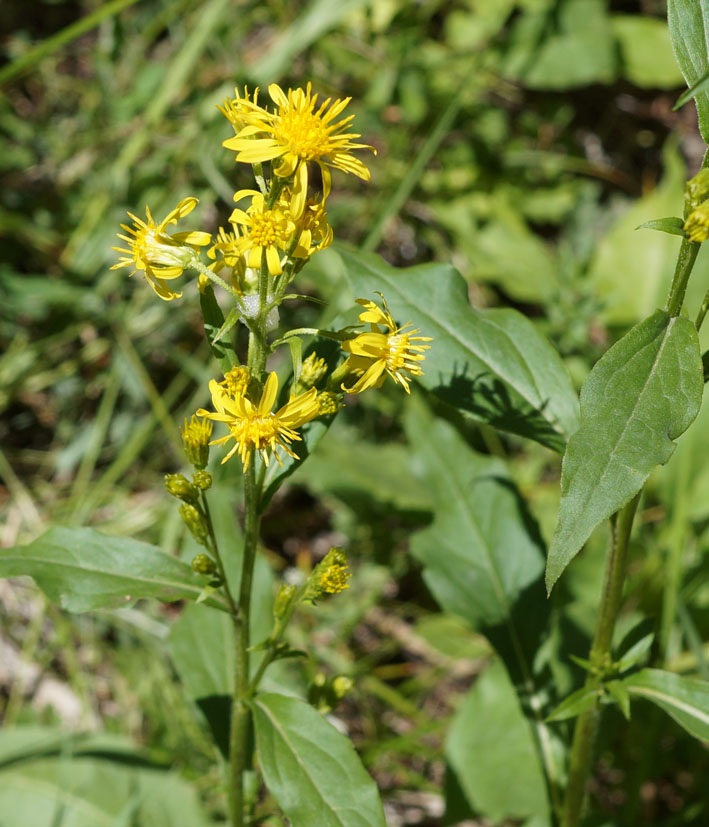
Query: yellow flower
(332, 574)
(697, 224)
(156, 254)
(195, 440)
(314, 233)
(390, 350)
(226, 253)
(256, 427)
(297, 133)
(265, 231)
(235, 110)
(236, 381)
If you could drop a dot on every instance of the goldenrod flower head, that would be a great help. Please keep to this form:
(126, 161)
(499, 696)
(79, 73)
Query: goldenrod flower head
(297, 133)
(226, 252)
(314, 232)
(156, 254)
(195, 440)
(256, 427)
(385, 349)
(236, 381)
(697, 224)
(264, 231)
(329, 403)
(312, 370)
(235, 110)
(203, 564)
(333, 572)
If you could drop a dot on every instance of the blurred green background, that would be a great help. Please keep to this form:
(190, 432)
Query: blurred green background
(521, 140)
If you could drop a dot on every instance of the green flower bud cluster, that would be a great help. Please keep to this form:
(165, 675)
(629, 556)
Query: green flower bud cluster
(202, 480)
(203, 564)
(326, 693)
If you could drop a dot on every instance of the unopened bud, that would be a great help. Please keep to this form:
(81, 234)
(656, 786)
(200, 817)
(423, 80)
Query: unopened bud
(202, 480)
(697, 224)
(341, 685)
(329, 403)
(194, 520)
(195, 440)
(283, 600)
(697, 189)
(311, 371)
(180, 487)
(203, 564)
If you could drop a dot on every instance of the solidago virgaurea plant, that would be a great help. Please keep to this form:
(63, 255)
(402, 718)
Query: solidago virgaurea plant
(253, 419)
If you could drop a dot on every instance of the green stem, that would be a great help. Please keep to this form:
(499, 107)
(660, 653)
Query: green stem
(685, 262)
(587, 723)
(702, 312)
(214, 548)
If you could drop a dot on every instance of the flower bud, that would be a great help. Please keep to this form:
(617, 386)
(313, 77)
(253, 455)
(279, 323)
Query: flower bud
(312, 370)
(697, 223)
(341, 685)
(329, 403)
(195, 440)
(203, 564)
(202, 480)
(284, 598)
(697, 189)
(194, 520)
(180, 487)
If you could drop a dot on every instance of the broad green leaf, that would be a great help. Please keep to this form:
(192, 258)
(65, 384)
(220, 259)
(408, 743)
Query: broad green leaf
(641, 395)
(684, 699)
(91, 790)
(646, 51)
(481, 551)
(81, 569)
(576, 703)
(491, 748)
(492, 364)
(673, 226)
(688, 21)
(312, 770)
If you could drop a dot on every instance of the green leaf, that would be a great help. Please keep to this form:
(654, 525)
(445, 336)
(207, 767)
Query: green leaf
(688, 22)
(646, 51)
(684, 699)
(641, 395)
(620, 695)
(90, 789)
(231, 319)
(492, 364)
(312, 770)
(636, 653)
(213, 326)
(482, 550)
(81, 569)
(673, 226)
(491, 748)
(702, 85)
(573, 705)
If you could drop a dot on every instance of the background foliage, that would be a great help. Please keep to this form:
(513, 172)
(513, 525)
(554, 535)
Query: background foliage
(521, 142)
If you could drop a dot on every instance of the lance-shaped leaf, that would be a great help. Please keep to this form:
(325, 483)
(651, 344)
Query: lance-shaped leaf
(312, 770)
(81, 569)
(689, 31)
(492, 364)
(216, 328)
(684, 699)
(641, 395)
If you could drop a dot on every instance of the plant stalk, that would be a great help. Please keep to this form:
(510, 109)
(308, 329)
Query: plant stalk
(587, 723)
(685, 262)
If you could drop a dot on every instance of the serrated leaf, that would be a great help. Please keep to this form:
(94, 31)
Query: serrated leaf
(481, 551)
(312, 770)
(688, 22)
(641, 395)
(672, 225)
(492, 364)
(491, 748)
(620, 695)
(573, 705)
(684, 699)
(82, 569)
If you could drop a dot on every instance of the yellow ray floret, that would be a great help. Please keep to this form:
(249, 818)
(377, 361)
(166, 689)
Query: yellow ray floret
(297, 132)
(256, 427)
(156, 254)
(385, 349)
(265, 231)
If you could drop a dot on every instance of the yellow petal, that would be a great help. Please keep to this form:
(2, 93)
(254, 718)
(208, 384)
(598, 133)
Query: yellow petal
(268, 397)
